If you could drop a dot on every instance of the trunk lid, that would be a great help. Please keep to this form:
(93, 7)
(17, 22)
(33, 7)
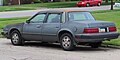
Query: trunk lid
(94, 23)
(100, 24)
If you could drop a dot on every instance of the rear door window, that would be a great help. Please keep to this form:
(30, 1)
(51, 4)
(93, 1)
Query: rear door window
(54, 18)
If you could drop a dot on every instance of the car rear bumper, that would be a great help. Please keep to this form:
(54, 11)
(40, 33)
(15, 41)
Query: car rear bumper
(96, 37)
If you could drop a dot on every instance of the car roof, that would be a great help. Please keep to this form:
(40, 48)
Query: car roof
(62, 10)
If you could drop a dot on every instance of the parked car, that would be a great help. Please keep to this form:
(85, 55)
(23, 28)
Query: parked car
(117, 5)
(67, 27)
(88, 3)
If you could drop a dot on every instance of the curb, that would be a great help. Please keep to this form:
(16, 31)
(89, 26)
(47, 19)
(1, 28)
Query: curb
(111, 46)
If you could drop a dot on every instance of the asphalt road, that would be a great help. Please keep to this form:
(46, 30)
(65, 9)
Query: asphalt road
(32, 12)
(38, 51)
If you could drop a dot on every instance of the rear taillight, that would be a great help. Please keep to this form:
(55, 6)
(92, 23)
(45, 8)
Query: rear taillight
(91, 30)
(112, 29)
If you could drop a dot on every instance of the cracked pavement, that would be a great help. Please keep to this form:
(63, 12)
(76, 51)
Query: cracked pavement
(38, 51)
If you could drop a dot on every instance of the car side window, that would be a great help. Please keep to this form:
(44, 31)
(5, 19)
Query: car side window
(54, 18)
(38, 18)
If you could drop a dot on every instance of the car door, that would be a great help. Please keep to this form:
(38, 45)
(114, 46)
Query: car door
(32, 30)
(91, 2)
(51, 27)
(95, 2)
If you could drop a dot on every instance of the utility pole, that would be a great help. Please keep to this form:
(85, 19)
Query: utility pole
(111, 5)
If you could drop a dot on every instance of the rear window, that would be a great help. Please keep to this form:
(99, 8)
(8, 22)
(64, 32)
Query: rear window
(80, 16)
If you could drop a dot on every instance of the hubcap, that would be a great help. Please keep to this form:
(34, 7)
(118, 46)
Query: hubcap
(66, 42)
(98, 4)
(15, 38)
(87, 5)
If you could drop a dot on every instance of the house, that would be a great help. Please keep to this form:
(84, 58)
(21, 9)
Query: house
(15, 2)
(1, 2)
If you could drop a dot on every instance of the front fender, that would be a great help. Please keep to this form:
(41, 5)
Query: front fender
(13, 28)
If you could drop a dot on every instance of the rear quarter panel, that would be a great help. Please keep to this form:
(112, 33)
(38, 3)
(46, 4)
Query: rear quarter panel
(73, 27)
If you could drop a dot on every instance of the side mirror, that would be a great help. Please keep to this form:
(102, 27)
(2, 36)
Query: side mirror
(27, 21)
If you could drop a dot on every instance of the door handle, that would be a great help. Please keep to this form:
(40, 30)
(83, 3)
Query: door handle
(38, 26)
(56, 27)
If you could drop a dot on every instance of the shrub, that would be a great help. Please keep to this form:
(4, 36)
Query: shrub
(5, 2)
(37, 1)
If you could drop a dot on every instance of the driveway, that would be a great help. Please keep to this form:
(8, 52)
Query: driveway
(38, 51)
(32, 12)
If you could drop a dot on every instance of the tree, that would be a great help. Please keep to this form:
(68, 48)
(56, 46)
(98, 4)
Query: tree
(19, 2)
(106, 1)
(112, 4)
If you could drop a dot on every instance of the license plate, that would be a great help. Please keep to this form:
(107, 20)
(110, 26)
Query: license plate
(102, 30)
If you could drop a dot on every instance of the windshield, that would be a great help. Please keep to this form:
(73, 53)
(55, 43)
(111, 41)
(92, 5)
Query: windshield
(80, 16)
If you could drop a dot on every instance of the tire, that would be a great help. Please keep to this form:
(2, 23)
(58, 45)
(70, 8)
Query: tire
(16, 38)
(87, 5)
(44, 42)
(66, 42)
(95, 45)
(98, 4)
(78, 6)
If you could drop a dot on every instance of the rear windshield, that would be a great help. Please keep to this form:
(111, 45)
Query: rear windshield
(80, 16)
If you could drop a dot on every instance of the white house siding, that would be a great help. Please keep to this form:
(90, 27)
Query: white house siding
(1, 2)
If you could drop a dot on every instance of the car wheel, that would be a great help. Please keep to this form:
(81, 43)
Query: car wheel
(87, 5)
(44, 42)
(66, 41)
(95, 45)
(16, 38)
(99, 4)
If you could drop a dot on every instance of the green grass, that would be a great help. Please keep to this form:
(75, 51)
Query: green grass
(40, 5)
(0, 34)
(7, 21)
(109, 15)
(52, 4)
(115, 42)
(106, 15)
(14, 8)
